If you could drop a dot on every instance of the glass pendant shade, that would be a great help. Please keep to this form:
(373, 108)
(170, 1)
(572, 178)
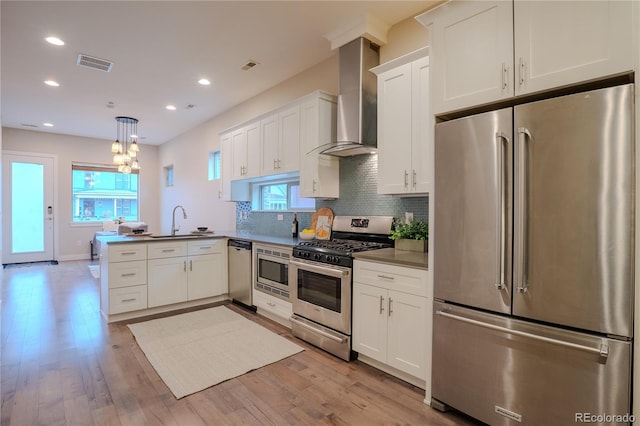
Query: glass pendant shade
(125, 148)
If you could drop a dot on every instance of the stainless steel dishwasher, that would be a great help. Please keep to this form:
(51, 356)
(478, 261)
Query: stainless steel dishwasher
(240, 273)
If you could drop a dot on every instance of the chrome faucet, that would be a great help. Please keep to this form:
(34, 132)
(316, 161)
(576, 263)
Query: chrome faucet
(173, 219)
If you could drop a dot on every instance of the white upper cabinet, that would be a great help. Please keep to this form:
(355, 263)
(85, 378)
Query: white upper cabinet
(281, 142)
(562, 42)
(405, 126)
(556, 43)
(471, 53)
(245, 143)
(319, 174)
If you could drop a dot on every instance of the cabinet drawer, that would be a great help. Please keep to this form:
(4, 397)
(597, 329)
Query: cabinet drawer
(272, 305)
(127, 299)
(127, 252)
(206, 246)
(125, 274)
(398, 278)
(167, 249)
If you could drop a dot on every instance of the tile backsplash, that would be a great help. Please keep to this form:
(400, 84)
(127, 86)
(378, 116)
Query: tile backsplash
(358, 196)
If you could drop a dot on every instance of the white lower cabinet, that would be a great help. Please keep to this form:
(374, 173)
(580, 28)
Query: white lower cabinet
(178, 273)
(276, 309)
(391, 326)
(123, 276)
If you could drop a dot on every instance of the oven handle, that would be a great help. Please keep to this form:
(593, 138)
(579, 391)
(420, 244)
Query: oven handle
(318, 331)
(332, 272)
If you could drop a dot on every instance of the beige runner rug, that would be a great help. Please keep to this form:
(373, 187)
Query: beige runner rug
(197, 350)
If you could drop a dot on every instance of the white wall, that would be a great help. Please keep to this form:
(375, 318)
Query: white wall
(69, 149)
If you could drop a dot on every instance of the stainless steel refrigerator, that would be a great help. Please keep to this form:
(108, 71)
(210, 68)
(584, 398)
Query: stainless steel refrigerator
(533, 261)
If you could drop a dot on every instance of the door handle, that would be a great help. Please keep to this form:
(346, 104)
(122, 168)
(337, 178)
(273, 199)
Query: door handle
(603, 350)
(501, 140)
(50, 209)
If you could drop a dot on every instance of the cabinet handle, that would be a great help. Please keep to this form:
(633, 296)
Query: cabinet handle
(219, 194)
(127, 253)
(205, 248)
(191, 265)
(413, 181)
(386, 277)
(273, 305)
(128, 300)
(381, 305)
(521, 71)
(505, 76)
(390, 309)
(168, 250)
(274, 164)
(314, 185)
(184, 266)
(279, 163)
(406, 179)
(130, 274)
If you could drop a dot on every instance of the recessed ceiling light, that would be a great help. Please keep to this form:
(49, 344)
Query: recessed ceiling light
(204, 82)
(47, 124)
(171, 107)
(55, 40)
(51, 83)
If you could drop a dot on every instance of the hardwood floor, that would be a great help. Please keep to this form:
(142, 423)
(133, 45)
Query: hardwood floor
(62, 364)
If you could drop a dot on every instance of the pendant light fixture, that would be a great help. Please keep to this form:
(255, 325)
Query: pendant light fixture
(125, 148)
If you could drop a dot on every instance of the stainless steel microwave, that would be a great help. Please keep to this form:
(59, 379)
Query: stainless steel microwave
(272, 270)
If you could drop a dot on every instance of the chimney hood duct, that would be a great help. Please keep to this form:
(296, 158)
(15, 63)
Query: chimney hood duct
(357, 100)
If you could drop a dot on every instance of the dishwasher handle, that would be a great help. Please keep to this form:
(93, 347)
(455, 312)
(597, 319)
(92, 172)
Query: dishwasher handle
(240, 244)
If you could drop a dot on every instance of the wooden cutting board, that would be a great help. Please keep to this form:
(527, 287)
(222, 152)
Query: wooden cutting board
(324, 211)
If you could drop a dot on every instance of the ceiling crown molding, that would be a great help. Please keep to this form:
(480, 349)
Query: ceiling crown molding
(367, 26)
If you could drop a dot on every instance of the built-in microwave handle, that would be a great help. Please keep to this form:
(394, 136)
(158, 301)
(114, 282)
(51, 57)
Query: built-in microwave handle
(332, 272)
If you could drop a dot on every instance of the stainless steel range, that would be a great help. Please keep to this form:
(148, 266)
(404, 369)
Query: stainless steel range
(321, 274)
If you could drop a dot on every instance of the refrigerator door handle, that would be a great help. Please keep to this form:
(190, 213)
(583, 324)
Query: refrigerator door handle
(602, 351)
(521, 198)
(501, 140)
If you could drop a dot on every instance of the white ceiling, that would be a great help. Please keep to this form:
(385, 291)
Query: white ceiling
(160, 50)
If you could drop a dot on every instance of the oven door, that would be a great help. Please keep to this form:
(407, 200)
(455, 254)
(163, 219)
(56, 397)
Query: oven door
(322, 293)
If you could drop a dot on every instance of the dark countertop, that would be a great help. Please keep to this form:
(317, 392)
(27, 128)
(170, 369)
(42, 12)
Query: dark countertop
(391, 256)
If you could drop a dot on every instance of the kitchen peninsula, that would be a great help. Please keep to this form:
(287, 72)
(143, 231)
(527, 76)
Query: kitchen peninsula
(145, 275)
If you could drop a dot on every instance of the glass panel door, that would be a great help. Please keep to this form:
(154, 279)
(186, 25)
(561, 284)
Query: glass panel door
(28, 208)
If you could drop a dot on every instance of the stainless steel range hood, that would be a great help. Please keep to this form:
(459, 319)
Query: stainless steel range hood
(357, 101)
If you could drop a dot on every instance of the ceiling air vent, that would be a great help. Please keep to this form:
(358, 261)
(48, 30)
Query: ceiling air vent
(250, 64)
(95, 63)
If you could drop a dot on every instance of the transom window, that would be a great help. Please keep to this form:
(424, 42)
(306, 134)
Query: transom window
(100, 192)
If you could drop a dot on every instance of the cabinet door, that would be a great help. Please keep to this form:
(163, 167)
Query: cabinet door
(167, 281)
(319, 174)
(563, 42)
(270, 136)
(239, 147)
(407, 333)
(471, 53)
(289, 152)
(370, 321)
(394, 130)
(422, 128)
(204, 276)
(252, 150)
(227, 166)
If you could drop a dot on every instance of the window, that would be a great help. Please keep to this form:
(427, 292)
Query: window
(281, 196)
(168, 175)
(101, 193)
(214, 164)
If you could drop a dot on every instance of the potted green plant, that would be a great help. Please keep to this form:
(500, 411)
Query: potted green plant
(412, 236)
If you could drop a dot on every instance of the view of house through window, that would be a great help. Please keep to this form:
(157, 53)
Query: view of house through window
(283, 196)
(214, 165)
(102, 193)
